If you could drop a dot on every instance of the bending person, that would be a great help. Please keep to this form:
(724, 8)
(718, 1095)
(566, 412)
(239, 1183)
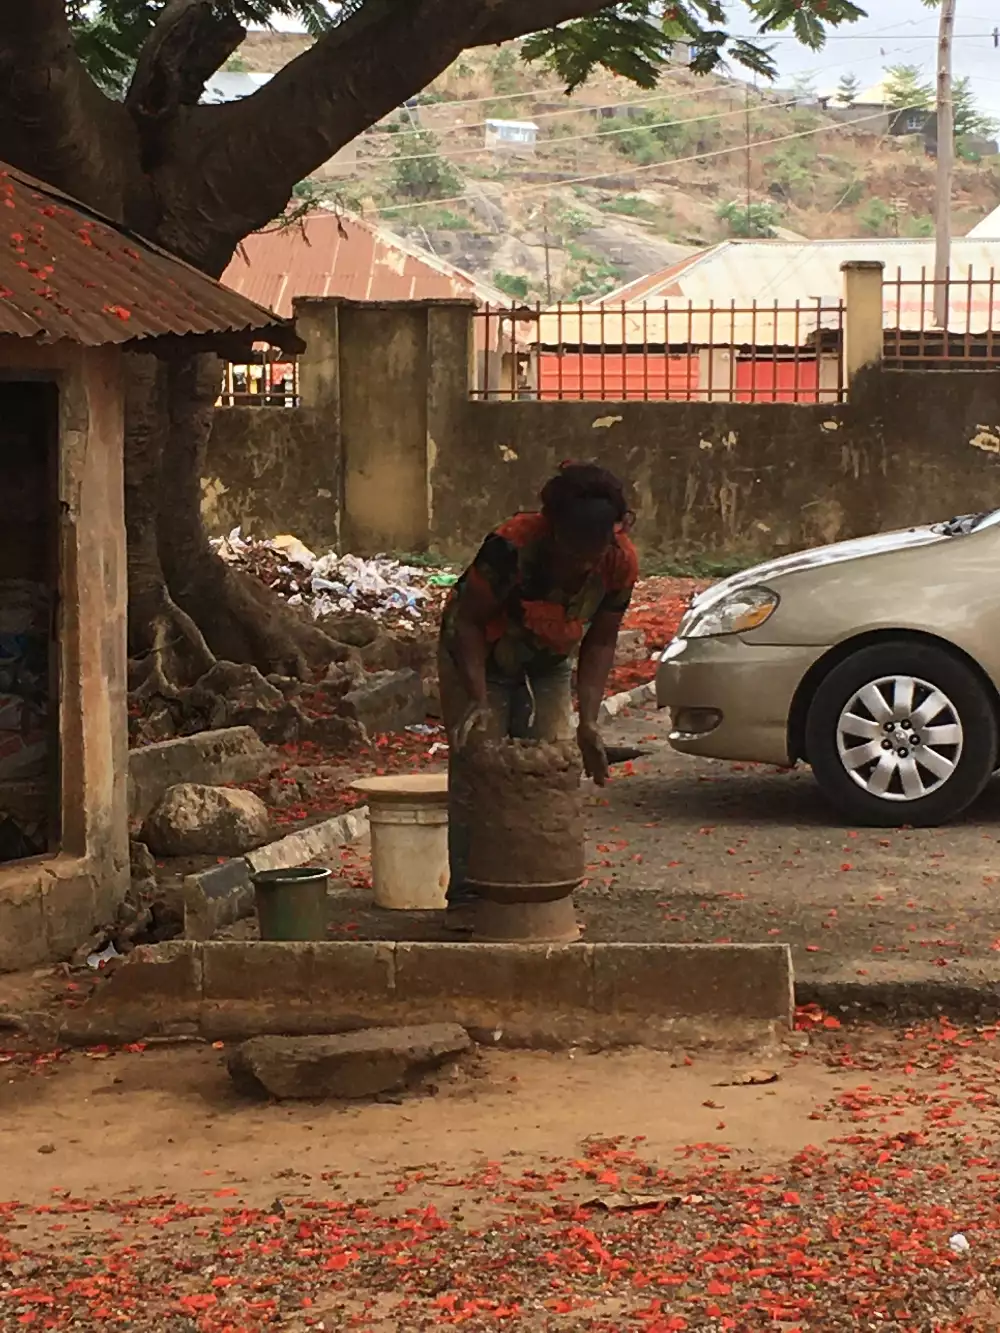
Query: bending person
(543, 587)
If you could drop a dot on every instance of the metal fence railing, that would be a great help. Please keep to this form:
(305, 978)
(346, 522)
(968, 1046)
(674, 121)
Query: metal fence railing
(674, 351)
(271, 379)
(914, 340)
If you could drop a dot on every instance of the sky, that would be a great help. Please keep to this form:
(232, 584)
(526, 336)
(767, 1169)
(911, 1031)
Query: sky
(904, 33)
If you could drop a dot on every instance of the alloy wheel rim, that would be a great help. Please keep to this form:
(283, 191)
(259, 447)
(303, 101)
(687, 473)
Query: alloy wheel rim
(899, 738)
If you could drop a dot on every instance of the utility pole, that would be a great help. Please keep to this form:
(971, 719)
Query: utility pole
(548, 264)
(945, 163)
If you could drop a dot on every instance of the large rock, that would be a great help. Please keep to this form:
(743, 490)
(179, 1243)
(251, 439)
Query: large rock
(234, 754)
(386, 701)
(194, 820)
(350, 1064)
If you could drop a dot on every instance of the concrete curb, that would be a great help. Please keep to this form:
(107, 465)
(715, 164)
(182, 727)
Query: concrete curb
(229, 754)
(223, 894)
(637, 698)
(657, 995)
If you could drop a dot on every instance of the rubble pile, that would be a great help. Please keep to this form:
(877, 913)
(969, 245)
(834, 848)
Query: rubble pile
(398, 597)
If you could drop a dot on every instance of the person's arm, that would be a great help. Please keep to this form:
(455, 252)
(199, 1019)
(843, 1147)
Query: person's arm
(477, 604)
(488, 581)
(597, 655)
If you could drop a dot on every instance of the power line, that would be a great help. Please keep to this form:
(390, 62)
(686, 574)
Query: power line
(666, 162)
(603, 134)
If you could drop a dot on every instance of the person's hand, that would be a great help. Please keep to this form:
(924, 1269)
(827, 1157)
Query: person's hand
(474, 724)
(595, 757)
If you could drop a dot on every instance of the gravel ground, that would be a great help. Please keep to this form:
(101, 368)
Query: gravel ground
(534, 1193)
(702, 851)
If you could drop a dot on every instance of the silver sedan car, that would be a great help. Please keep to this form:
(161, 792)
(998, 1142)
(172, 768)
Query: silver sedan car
(877, 661)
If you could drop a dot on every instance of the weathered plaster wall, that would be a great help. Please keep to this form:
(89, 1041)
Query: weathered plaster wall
(424, 466)
(49, 904)
(274, 470)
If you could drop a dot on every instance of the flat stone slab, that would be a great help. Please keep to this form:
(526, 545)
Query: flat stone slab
(229, 754)
(348, 1065)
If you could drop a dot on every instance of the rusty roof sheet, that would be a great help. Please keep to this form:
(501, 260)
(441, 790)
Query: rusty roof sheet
(67, 272)
(331, 254)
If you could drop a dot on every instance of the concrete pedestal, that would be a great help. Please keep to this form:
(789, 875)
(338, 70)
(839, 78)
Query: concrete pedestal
(526, 923)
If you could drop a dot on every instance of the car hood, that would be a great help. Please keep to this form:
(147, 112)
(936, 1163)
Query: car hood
(856, 549)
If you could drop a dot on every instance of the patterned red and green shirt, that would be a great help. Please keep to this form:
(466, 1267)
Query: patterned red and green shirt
(539, 624)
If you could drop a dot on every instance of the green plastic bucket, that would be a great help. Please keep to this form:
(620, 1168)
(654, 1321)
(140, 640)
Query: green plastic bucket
(291, 904)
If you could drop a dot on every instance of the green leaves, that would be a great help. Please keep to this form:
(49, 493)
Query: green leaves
(633, 38)
(109, 35)
(636, 39)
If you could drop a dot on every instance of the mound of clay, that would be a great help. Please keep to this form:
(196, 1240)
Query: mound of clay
(525, 819)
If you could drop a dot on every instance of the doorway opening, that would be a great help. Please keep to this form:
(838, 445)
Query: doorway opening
(29, 694)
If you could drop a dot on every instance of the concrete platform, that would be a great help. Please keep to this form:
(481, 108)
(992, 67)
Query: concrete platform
(593, 995)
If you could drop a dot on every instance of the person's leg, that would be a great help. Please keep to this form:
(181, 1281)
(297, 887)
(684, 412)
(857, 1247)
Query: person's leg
(454, 704)
(551, 717)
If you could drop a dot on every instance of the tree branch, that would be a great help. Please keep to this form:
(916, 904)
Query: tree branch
(348, 80)
(190, 42)
(503, 20)
(54, 121)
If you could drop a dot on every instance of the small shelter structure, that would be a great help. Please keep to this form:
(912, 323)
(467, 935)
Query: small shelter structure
(77, 293)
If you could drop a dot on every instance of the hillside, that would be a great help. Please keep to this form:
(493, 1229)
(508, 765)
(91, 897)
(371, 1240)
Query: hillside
(623, 181)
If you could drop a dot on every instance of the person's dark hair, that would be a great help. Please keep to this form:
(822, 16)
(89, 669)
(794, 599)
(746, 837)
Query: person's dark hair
(586, 500)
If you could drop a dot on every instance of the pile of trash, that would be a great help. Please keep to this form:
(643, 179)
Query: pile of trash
(399, 596)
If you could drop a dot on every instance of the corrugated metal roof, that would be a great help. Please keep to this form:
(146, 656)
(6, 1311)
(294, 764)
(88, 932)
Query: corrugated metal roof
(988, 228)
(790, 271)
(67, 272)
(746, 292)
(330, 254)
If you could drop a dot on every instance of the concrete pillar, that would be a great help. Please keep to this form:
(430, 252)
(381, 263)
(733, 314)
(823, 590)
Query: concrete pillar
(862, 316)
(715, 374)
(450, 361)
(829, 377)
(317, 321)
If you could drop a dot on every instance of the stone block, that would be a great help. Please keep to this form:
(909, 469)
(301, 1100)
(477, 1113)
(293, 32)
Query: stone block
(257, 972)
(23, 940)
(155, 991)
(277, 987)
(349, 1065)
(230, 754)
(217, 897)
(743, 982)
(69, 903)
(387, 701)
(525, 991)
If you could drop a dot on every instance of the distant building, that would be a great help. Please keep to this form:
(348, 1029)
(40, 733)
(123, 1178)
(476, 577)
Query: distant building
(754, 320)
(988, 229)
(519, 136)
(871, 107)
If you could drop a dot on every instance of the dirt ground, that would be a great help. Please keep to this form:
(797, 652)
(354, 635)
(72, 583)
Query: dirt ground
(529, 1192)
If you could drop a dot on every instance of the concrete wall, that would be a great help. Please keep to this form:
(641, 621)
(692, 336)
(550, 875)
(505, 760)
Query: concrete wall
(48, 905)
(424, 467)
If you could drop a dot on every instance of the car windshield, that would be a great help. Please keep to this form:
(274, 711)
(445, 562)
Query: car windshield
(963, 523)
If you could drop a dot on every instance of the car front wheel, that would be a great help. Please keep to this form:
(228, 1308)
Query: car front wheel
(902, 733)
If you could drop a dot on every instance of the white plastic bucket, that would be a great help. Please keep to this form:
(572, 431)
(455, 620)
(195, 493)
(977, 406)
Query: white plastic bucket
(409, 855)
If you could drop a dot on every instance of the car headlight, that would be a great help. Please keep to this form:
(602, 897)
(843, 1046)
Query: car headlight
(735, 613)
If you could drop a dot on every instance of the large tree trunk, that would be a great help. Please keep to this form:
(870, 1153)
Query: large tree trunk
(182, 174)
(188, 608)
